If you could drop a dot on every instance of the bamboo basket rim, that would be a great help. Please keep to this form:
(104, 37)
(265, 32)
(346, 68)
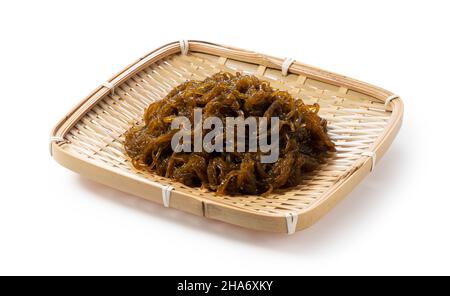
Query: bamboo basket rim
(361, 166)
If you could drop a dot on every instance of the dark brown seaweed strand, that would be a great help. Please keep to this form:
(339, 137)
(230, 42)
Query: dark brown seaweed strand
(304, 142)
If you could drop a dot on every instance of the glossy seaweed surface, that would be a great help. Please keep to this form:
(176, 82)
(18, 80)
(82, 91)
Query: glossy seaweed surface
(303, 139)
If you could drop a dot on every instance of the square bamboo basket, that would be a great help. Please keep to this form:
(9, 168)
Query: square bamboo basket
(363, 121)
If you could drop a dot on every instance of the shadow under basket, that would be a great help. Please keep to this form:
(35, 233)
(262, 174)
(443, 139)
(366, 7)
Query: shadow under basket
(362, 119)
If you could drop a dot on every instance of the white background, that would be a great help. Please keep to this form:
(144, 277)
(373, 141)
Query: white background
(52, 221)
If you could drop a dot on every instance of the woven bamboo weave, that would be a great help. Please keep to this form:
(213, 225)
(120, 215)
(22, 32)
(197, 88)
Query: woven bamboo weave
(90, 138)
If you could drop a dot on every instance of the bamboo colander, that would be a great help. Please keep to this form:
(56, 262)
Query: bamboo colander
(363, 121)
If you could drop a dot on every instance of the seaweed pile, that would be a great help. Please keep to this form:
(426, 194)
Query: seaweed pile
(303, 139)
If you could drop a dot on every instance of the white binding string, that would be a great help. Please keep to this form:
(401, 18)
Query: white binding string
(286, 65)
(389, 99)
(184, 46)
(55, 139)
(109, 86)
(373, 157)
(291, 222)
(166, 190)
